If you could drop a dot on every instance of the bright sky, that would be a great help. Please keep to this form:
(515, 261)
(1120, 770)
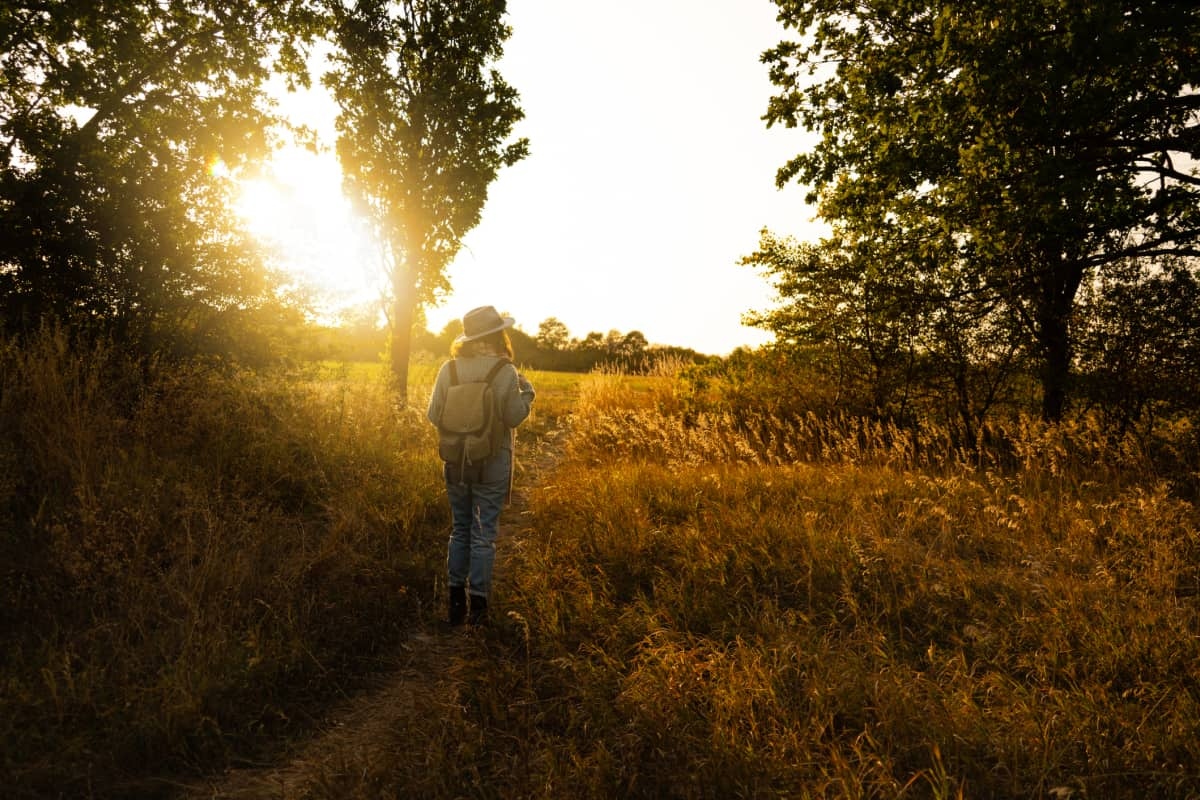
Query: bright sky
(650, 175)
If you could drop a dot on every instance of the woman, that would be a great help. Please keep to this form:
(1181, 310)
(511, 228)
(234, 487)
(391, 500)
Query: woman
(477, 492)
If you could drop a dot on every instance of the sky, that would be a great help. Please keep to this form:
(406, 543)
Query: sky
(650, 175)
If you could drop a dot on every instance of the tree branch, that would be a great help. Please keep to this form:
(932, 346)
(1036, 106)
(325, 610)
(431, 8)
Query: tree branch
(114, 102)
(1174, 174)
(1146, 249)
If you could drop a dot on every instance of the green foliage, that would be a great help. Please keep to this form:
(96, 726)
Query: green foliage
(424, 119)
(1139, 345)
(552, 334)
(841, 300)
(1012, 152)
(111, 114)
(887, 330)
(117, 119)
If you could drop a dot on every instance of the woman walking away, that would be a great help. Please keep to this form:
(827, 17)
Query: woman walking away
(478, 399)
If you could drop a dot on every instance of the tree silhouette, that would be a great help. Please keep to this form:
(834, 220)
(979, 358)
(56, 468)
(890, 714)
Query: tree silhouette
(552, 334)
(111, 114)
(1040, 145)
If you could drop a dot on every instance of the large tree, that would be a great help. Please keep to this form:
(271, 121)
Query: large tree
(424, 128)
(112, 115)
(1046, 140)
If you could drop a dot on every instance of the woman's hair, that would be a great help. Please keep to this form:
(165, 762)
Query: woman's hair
(494, 344)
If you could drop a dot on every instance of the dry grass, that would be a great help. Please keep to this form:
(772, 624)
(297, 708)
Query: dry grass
(706, 608)
(191, 556)
(738, 630)
(700, 604)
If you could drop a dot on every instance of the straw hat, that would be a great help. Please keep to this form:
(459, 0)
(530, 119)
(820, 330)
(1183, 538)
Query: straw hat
(479, 322)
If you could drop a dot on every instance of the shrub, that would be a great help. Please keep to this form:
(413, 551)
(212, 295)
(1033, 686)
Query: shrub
(190, 550)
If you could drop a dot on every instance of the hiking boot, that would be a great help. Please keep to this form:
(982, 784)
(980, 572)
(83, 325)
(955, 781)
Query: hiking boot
(478, 615)
(458, 605)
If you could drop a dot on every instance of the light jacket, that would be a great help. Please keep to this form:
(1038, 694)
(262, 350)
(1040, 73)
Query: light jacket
(514, 395)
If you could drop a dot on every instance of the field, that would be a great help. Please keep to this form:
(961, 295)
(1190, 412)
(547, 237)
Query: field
(691, 612)
(690, 603)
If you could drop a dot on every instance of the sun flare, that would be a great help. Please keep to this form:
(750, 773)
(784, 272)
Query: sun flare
(217, 168)
(257, 203)
(296, 207)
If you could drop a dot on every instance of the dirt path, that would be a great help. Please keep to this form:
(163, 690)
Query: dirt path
(419, 688)
(342, 753)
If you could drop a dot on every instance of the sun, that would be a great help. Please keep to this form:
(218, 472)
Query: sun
(262, 204)
(295, 206)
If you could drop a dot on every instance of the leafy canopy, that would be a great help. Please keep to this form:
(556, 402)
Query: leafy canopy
(111, 117)
(1025, 147)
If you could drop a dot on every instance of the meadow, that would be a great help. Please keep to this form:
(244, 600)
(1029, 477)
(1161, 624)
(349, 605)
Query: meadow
(694, 601)
(701, 605)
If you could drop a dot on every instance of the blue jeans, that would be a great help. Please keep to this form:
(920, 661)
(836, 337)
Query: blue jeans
(475, 507)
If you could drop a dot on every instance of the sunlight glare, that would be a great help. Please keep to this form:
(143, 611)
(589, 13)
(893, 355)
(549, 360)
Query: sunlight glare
(217, 168)
(296, 207)
(259, 204)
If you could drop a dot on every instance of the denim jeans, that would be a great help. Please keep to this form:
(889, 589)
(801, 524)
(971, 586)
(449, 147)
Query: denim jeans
(475, 507)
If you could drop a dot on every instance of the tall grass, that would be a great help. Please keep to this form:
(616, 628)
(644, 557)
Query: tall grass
(704, 602)
(187, 553)
(664, 425)
(710, 607)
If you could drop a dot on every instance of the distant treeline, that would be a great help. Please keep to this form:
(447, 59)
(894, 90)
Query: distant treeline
(552, 348)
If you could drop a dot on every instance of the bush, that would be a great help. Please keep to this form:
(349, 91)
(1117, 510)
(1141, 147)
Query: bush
(188, 551)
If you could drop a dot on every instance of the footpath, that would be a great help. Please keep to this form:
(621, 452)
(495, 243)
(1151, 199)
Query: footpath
(415, 692)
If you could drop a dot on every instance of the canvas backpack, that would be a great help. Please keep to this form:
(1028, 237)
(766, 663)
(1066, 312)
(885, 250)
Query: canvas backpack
(470, 430)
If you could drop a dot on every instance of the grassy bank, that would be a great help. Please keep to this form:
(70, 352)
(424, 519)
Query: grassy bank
(193, 556)
(706, 608)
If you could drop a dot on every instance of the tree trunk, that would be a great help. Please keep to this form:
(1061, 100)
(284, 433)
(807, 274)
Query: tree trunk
(1054, 337)
(1056, 371)
(401, 333)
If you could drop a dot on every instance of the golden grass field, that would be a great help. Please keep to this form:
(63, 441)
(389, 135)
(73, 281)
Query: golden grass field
(692, 603)
(692, 612)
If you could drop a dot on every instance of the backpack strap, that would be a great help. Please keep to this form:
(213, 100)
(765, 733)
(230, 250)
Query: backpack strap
(492, 373)
(495, 370)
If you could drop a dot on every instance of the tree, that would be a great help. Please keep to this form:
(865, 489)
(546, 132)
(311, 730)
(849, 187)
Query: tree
(839, 296)
(111, 115)
(633, 347)
(553, 335)
(612, 343)
(884, 323)
(422, 128)
(1045, 141)
(525, 347)
(1139, 343)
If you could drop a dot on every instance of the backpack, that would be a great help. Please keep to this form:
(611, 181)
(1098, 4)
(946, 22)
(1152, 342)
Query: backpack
(470, 431)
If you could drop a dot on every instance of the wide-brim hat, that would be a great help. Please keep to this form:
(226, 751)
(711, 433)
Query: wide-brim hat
(479, 322)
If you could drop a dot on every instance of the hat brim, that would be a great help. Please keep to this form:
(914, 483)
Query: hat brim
(505, 323)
